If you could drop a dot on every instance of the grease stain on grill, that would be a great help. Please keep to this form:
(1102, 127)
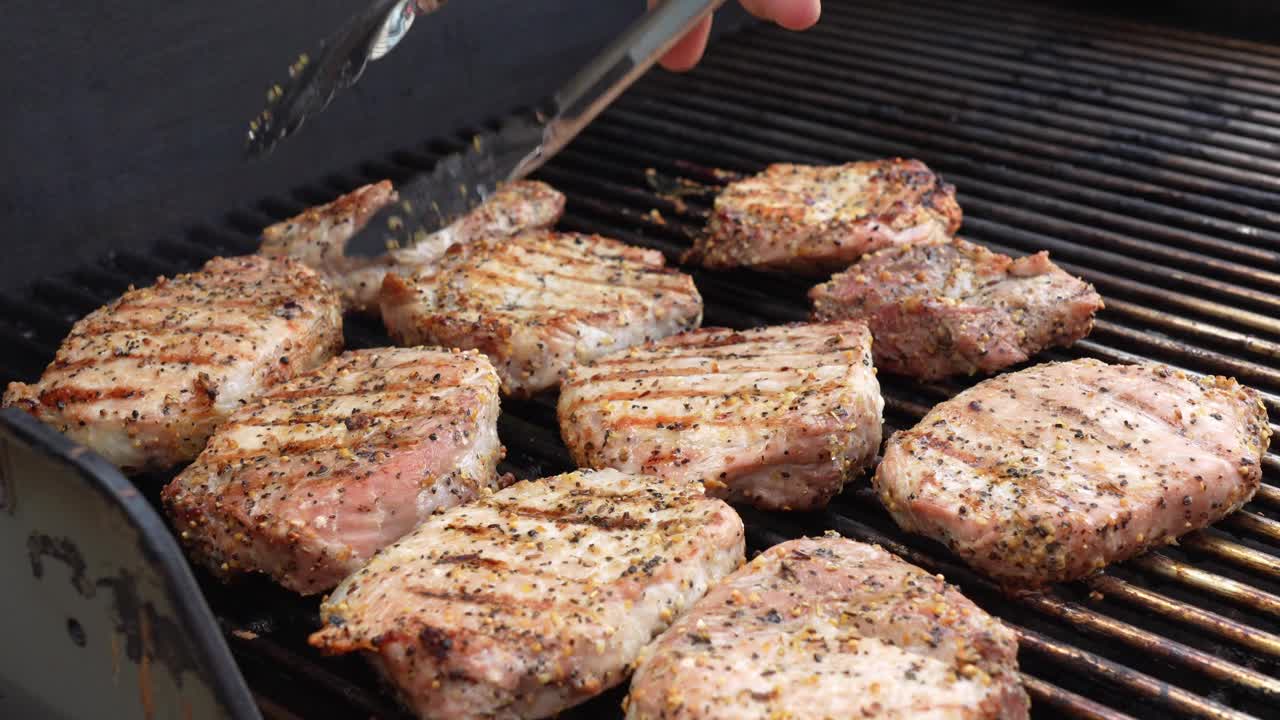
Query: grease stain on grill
(41, 547)
(8, 495)
(76, 631)
(149, 636)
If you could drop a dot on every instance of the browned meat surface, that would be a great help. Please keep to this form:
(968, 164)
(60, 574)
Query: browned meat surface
(815, 219)
(536, 598)
(814, 629)
(319, 235)
(540, 301)
(1053, 472)
(309, 481)
(954, 308)
(778, 417)
(145, 380)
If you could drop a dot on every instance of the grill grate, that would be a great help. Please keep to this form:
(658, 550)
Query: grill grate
(1145, 159)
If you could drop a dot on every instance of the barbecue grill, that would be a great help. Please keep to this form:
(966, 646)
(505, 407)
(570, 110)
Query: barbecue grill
(1145, 158)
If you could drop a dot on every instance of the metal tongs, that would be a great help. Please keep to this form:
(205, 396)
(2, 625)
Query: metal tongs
(463, 180)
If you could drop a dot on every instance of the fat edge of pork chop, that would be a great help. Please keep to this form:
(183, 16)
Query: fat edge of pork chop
(145, 379)
(1054, 472)
(319, 235)
(308, 482)
(536, 598)
(779, 417)
(830, 628)
(539, 301)
(950, 307)
(814, 219)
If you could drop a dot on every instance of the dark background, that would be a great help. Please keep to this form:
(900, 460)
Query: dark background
(123, 121)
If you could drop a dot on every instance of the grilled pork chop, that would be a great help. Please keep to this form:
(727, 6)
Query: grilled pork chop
(830, 628)
(536, 598)
(814, 219)
(308, 481)
(540, 301)
(1053, 472)
(779, 417)
(146, 379)
(319, 235)
(954, 308)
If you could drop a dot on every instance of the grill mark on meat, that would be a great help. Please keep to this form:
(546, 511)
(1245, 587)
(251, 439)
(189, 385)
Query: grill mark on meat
(500, 602)
(584, 257)
(570, 516)
(491, 530)
(254, 306)
(294, 414)
(952, 450)
(304, 448)
(694, 352)
(799, 385)
(683, 422)
(67, 394)
(585, 377)
(319, 393)
(525, 259)
(1029, 483)
(750, 399)
(152, 330)
(1146, 410)
(538, 305)
(361, 418)
(141, 358)
(472, 559)
(586, 280)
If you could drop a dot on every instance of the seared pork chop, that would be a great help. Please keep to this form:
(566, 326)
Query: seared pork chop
(540, 301)
(954, 308)
(1053, 472)
(319, 235)
(778, 417)
(311, 479)
(536, 598)
(814, 219)
(146, 379)
(830, 628)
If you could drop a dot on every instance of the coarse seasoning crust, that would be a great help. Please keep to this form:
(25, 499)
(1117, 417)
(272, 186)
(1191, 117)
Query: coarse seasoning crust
(146, 379)
(777, 417)
(815, 219)
(830, 628)
(309, 481)
(536, 598)
(540, 301)
(1051, 473)
(319, 235)
(949, 307)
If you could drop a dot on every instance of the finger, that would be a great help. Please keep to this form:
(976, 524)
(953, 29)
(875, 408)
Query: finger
(688, 50)
(790, 14)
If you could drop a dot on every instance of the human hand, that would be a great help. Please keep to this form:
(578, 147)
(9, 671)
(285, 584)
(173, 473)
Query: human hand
(790, 14)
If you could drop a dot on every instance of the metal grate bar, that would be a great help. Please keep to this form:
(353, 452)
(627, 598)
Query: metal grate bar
(1110, 586)
(1238, 592)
